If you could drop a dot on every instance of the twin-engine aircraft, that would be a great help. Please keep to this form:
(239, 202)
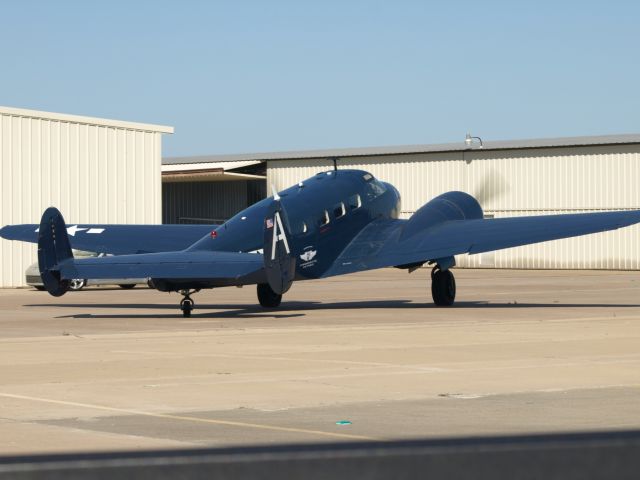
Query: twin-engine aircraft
(337, 222)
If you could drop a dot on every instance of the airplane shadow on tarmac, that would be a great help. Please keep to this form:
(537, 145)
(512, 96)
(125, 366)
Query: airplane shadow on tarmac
(222, 310)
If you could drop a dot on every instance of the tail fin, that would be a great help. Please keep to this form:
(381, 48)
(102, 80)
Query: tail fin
(53, 249)
(279, 260)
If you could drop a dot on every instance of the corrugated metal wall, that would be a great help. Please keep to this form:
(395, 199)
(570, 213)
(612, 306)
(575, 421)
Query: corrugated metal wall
(96, 173)
(517, 182)
(207, 202)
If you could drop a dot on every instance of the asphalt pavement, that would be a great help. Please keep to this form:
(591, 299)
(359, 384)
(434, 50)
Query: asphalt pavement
(360, 357)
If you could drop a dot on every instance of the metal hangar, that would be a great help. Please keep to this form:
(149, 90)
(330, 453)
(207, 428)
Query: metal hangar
(510, 178)
(94, 170)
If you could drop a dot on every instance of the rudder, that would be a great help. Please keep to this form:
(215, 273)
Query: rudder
(53, 249)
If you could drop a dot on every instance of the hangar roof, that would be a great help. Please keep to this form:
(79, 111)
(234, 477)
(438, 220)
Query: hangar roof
(63, 117)
(209, 171)
(408, 149)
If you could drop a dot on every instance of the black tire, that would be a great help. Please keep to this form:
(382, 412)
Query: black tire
(77, 284)
(443, 288)
(127, 286)
(186, 305)
(267, 297)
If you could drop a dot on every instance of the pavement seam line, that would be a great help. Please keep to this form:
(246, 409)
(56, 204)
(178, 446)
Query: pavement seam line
(186, 418)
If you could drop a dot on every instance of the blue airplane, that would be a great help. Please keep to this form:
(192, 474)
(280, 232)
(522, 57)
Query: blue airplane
(335, 223)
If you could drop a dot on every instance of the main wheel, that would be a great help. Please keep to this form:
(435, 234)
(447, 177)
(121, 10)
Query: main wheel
(443, 288)
(267, 297)
(77, 284)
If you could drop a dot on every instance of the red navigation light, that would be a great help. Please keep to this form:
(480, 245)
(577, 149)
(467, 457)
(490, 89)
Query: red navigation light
(214, 234)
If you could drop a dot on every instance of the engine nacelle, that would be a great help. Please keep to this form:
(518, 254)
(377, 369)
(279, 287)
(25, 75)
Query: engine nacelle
(448, 206)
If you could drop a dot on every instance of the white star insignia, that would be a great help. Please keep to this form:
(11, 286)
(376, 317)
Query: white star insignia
(73, 229)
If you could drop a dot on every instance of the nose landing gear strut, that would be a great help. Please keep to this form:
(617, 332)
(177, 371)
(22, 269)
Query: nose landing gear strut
(187, 303)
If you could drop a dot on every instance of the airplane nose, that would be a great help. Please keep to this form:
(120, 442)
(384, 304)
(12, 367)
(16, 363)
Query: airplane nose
(393, 189)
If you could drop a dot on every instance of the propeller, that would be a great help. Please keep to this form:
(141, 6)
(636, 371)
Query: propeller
(491, 187)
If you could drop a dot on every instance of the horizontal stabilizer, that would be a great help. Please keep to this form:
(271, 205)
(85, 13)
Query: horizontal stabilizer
(227, 268)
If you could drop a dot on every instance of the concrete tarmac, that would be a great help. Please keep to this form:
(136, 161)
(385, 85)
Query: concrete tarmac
(520, 352)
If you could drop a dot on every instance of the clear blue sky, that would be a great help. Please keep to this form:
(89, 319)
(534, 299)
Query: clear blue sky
(247, 76)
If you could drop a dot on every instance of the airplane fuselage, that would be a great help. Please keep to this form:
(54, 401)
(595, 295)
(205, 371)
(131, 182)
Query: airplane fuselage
(324, 214)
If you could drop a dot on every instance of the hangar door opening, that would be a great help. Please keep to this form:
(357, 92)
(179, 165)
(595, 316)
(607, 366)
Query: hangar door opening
(208, 192)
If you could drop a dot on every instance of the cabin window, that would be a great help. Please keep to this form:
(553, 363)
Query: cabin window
(324, 219)
(300, 227)
(355, 202)
(339, 210)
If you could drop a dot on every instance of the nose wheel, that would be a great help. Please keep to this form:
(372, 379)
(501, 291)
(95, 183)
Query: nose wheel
(187, 303)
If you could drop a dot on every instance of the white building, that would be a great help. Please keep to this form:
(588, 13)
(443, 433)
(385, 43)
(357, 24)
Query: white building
(524, 177)
(92, 169)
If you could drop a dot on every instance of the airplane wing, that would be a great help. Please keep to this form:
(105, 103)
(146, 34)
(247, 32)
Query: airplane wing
(382, 243)
(118, 239)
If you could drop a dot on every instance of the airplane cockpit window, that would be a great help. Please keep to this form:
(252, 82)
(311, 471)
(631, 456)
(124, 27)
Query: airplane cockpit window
(339, 210)
(355, 202)
(375, 189)
(324, 218)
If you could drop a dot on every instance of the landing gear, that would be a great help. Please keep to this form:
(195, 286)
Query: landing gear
(443, 287)
(186, 304)
(77, 284)
(267, 297)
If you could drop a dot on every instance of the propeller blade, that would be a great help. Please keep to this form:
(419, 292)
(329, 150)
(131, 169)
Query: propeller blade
(276, 197)
(492, 187)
